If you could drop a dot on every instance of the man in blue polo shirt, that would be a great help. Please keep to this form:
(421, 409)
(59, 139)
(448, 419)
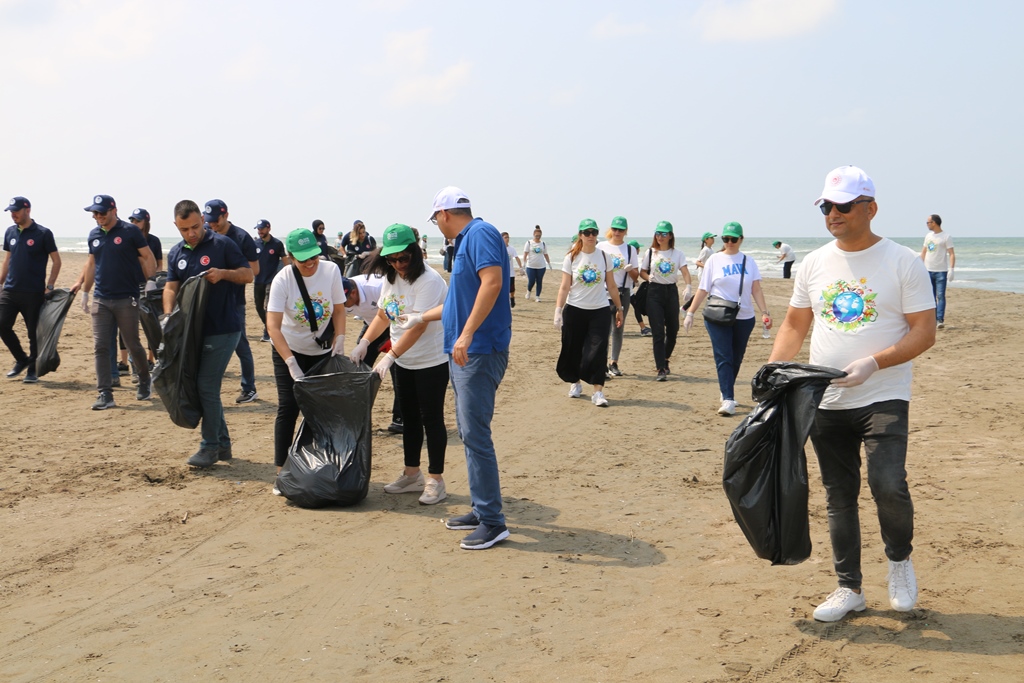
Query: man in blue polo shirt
(25, 285)
(119, 259)
(216, 216)
(269, 252)
(205, 252)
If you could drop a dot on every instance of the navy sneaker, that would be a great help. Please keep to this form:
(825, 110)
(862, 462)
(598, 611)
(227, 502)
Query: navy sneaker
(484, 537)
(144, 392)
(466, 521)
(103, 401)
(19, 367)
(30, 377)
(224, 453)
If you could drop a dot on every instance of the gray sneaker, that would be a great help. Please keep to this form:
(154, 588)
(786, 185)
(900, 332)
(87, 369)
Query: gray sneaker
(406, 484)
(144, 392)
(204, 457)
(103, 401)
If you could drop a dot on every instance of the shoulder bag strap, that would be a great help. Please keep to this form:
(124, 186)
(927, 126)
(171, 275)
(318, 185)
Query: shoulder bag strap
(305, 299)
(743, 274)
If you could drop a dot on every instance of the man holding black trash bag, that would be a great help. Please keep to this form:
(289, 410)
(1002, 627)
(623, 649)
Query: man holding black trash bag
(873, 312)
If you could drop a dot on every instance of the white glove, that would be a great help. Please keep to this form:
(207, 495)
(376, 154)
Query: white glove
(949, 275)
(359, 353)
(558, 317)
(409, 320)
(688, 322)
(163, 322)
(293, 368)
(338, 349)
(857, 372)
(85, 301)
(687, 292)
(521, 271)
(381, 368)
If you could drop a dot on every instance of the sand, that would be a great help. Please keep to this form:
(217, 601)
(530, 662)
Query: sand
(118, 563)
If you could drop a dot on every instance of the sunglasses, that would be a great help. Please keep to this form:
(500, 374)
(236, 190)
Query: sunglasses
(100, 214)
(589, 232)
(826, 207)
(619, 229)
(730, 240)
(663, 234)
(401, 258)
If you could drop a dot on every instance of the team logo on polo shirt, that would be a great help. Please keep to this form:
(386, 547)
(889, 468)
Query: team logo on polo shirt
(14, 241)
(271, 251)
(30, 242)
(258, 250)
(182, 264)
(117, 240)
(96, 243)
(204, 261)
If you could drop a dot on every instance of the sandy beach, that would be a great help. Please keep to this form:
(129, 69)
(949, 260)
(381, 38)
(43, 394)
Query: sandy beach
(119, 563)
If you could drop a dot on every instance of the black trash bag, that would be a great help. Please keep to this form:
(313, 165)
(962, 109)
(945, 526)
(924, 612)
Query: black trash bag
(48, 328)
(765, 470)
(151, 307)
(178, 355)
(330, 458)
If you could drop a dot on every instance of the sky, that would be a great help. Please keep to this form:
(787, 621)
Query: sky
(698, 112)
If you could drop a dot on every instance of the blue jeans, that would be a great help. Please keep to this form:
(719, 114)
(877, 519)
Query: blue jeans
(939, 290)
(729, 345)
(474, 386)
(217, 350)
(534, 276)
(245, 356)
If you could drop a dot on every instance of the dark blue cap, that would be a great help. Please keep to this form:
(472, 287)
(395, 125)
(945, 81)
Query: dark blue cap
(263, 223)
(348, 285)
(18, 203)
(139, 215)
(101, 203)
(214, 209)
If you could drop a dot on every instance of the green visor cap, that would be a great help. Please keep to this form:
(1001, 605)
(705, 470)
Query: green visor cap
(663, 226)
(634, 244)
(619, 223)
(588, 224)
(707, 235)
(302, 244)
(396, 238)
(732, 229)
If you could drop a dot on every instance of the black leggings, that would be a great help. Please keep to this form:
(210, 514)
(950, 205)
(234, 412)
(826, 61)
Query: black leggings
(584, 354)
(663, 314)
(421, 395)
(287, 406)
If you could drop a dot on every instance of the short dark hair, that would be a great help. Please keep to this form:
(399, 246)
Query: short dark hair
(937, 219)
(378, 265)
(460, 211)
(185, 208)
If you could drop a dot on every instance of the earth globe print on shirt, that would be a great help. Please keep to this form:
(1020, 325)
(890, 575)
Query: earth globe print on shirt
(588, 275)
(847, 306)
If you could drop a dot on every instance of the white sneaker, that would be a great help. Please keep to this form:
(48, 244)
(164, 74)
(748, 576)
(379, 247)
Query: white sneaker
(728, 408)
(527, 296)
(433, 492)
(537, 299)
(575, 390)
(406, 484)
(836, 606)
(902, 585)
(598, 399)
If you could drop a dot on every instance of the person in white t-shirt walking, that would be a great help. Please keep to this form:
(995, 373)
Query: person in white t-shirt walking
(626, 270)
(513, 255)
(873, 312)
(939, 260)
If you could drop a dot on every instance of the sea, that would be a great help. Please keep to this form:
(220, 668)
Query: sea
(995, 263)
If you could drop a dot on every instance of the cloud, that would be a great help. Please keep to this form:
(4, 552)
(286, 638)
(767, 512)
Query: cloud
(611, 27)
(432, 89)
(757, 20)
(406, 50)
(407, 60)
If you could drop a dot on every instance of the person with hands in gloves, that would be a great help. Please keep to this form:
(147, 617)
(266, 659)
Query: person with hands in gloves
(625, 264)
(417, 354)
(661, 266)
(583, 315)
(873, 312)
(362, 302)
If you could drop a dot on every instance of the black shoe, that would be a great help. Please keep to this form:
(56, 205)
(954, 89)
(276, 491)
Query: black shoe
(265, 337)
(31, 377)
(662, 375)
(668, 370)
(204, 457)
(246, 397)
(144, 392)
(512, 302)
(115, 382)
(122, 367)
(152, 366)
(484, 537)
(614, 371)
(396, 427)
(103, 401)
(224, 453)
(18, 368)
(466, 521)
(646, 332)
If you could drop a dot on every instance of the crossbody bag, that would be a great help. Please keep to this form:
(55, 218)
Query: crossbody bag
(722, 311)
(326, 338)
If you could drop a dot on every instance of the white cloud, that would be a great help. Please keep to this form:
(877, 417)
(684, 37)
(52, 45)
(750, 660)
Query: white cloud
(611, 27)
(755, 20)
(432, 89)
(407, 50)
(407, 60)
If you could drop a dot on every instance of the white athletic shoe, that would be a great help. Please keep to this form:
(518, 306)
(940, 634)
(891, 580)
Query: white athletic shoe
(598, 399)
(728, 408)
(406, 484)
(433, 492)
(575, 390)
(537, 299)
(841, 602)
(902, 585)
(527, 296)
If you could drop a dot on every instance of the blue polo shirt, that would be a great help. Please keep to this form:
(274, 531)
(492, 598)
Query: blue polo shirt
(30, 248)
(478, 246)
(213, 251)
(248, 247)
(269, 253)
(118, 271)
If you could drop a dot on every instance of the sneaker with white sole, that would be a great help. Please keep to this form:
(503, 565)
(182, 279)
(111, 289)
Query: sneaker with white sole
(484, 537)
(575, 390)
(598, 399)
(406, 484)
(467, 521)
(841, 602)
(727, 408)
(902, 585)
(433, 492)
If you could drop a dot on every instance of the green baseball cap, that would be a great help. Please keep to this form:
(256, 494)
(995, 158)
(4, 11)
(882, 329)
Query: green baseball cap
(663, 226)
(634, 244)
(707, 235)
(732, 229)
(619, 223)
(302, 244)
(588, 224)
(396, 238)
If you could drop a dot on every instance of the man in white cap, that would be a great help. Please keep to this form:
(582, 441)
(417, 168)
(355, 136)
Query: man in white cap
(871, 303)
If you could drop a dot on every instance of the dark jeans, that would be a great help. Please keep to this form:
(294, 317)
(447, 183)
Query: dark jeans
(421, 395)
(534, 276)
(584, 354)
(213, 361)
(449, 254)
(663, 316)
(617, 331)
(372, 351)
(787, 269)
(837, 436)
(287, 406)
(729, 344)
(109, 316)
(28, 304)
(244, 352)
(259, 295)
(939, 290)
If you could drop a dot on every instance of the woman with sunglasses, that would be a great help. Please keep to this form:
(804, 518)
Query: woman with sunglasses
(661, 267)
(723, 275)
(582, 313)
(625, 269)
(418, 355)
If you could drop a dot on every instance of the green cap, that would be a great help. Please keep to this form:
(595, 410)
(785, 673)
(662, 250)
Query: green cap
(588, 224)
(707, 235)
(663, 226)
(302, 244)
(396, 238)
(619, 223)
(776, 244)
(732, 229)
(634, 244)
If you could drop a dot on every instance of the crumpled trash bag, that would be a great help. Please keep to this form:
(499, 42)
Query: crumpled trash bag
(151, 307)
(765, 470)
(174, 377)
(330, 458)
(48, 328)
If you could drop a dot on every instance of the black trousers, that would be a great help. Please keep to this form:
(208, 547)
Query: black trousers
(663, 315)
(584, 354)
(787, 268)
(421, 395)
(287, 406)
(259, 294)
(28, 304)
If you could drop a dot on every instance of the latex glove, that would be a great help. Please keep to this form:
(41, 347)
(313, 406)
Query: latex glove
(409, 320)
(857, 372)
(949, 275)
(293, 368)
(558, 318)
(687, 292)
(359, 353)
(338, 349)
(163, 322)
(521, 271)
(85, 301)
(688, 322)
(381, 368)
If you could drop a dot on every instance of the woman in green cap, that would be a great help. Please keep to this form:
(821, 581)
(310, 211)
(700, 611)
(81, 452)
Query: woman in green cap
(707, 241)
(625, 269)
(582, 313)
(644, 330)
(661, 267)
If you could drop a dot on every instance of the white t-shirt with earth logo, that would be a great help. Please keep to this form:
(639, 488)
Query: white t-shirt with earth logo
(588, 291)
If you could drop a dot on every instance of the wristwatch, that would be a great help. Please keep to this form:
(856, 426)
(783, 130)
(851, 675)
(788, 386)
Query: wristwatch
(49, 288)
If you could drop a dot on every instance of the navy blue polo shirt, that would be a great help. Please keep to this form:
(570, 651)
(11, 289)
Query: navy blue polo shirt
(269, 253)
(213, 251)
(154, 246)
(30, 248)
(118, 271)
(248, 247)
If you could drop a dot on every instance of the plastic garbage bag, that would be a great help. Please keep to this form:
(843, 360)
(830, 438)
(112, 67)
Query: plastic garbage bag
(151, 307)
(330, 458)
(765, 470)
(178, 355)
(48, 328)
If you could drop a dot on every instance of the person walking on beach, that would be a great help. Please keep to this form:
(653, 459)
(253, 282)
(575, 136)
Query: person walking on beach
(625, 264)
(361, 301)
(940, 260)
(219, 259)
(25, 285)
(873, 312)
(645, 331)
(537, 261)
(119, 259)
(140, 219)
(707, 243)
(216, 216)
(512, 255)
(661, 267)
(786, 256)
(269, 253)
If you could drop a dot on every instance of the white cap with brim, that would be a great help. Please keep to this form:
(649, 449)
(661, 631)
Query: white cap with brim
(845, 184)
(450, 197)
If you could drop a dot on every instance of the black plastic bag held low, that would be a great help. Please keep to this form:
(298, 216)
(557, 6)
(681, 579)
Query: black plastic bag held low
(765, 470)
(180, 350)
(329, 460)
(51, 322)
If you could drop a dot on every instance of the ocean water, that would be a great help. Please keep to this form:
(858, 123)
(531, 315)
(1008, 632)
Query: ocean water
(981, 262)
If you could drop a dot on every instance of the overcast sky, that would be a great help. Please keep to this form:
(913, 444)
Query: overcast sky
(696, 112)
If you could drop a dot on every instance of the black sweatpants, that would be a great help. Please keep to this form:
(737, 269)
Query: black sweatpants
(584, 354)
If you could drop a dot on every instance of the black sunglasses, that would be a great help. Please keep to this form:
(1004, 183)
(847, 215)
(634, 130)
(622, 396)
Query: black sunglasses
(401, 258)
(101, 214)
(826, 207)
(730, 240)
(590, 232)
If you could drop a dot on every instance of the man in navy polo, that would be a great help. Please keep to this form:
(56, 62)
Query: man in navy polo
(216, 216)
(220, 261)
(25, 285)
(269, 252)
(119, 259)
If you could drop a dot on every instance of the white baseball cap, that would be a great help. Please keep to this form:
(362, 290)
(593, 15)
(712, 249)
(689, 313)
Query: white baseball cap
(845, 184)
(450, 197)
